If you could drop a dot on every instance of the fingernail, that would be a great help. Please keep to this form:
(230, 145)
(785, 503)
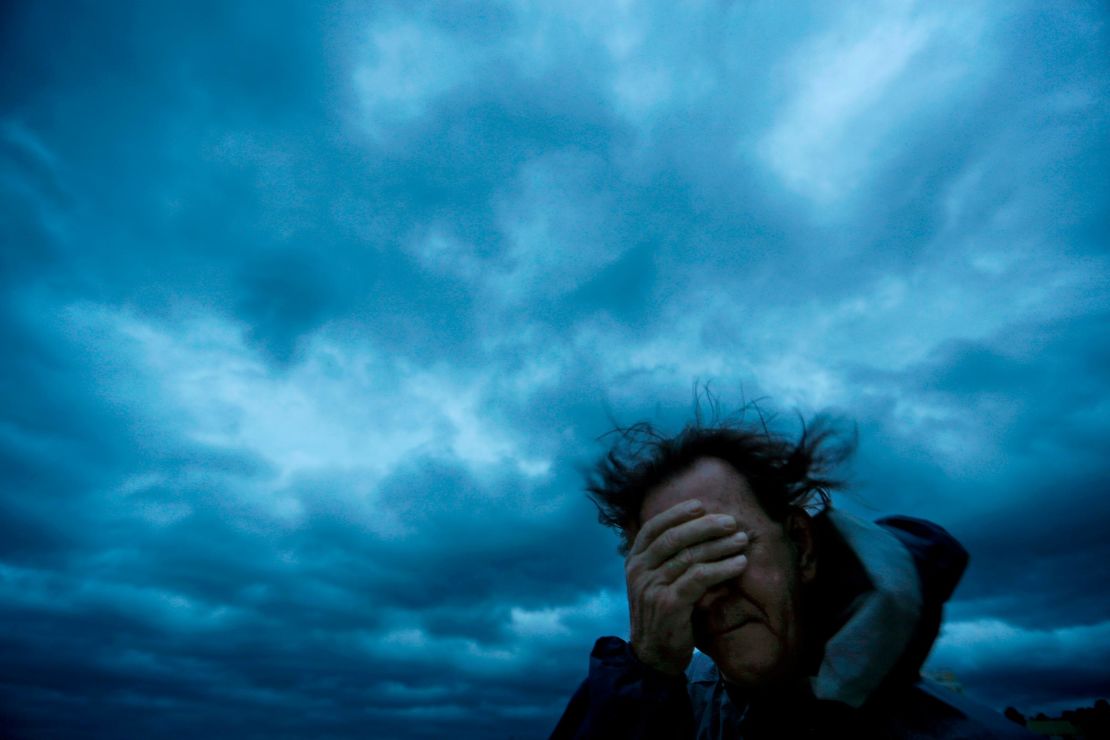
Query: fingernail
(727, 521)
(695, 507)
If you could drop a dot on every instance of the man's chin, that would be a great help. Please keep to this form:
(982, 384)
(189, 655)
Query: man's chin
(749, 656)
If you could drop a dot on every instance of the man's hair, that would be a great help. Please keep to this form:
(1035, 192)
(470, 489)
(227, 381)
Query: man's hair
(784, 475)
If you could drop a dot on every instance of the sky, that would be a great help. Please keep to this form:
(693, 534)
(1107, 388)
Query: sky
(313, 314)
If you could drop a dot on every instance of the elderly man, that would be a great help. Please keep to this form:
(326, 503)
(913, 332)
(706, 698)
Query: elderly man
(805, 624)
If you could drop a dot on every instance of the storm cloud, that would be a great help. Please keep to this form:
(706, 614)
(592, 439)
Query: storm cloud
(312, 315)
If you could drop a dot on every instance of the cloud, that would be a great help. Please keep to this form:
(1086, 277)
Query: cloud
(859, 87)
(1037, 667)
(411, 66)
(312, 317)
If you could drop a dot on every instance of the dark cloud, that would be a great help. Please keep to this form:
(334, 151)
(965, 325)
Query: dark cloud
(312, 317)
(1030, 506)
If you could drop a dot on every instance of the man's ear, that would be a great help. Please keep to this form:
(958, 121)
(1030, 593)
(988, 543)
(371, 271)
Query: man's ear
(800, 530)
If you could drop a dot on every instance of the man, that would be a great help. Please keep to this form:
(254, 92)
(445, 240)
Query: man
(807, 625)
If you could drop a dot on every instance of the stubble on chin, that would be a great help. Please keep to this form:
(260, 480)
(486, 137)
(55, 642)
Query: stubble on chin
(752, 658)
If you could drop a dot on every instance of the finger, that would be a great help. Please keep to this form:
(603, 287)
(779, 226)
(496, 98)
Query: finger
(701, 577)
(704, 552)
(678, 538)
(652, 528)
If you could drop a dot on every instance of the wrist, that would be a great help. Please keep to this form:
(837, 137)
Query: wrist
(652, 662)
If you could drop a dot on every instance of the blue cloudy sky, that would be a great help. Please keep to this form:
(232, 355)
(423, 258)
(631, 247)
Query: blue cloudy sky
(311, 314)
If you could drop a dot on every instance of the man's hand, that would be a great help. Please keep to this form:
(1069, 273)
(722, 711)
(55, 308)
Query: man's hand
(677, 556)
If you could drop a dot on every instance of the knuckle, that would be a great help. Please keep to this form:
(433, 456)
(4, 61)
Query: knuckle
(700, 572)
(686, 592)
(684, 559)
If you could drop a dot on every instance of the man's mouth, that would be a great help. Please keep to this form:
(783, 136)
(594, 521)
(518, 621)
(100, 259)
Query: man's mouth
(733, 627)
